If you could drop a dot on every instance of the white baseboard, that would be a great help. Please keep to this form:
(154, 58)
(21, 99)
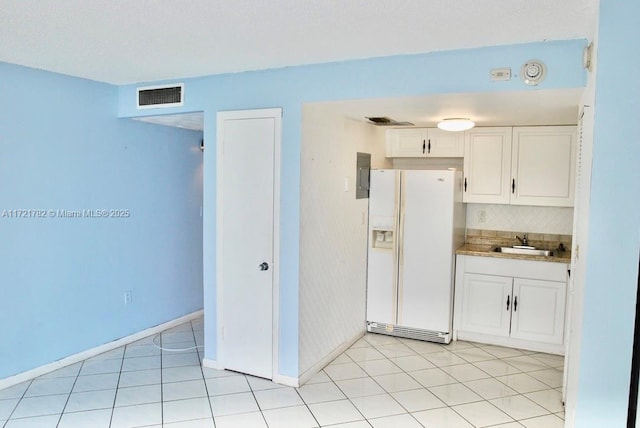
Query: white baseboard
(314, 369)
(211, 364)
(75, 358)
(511, 343)
(283, 380)
(286, 380)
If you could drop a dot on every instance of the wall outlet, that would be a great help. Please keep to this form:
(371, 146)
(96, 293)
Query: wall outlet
(127, 297)
(482, 216)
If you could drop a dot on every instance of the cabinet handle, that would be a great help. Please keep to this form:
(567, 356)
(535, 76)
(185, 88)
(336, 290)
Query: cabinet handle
(465, 184)
(508, 302)
(515, 303)
(423, 146)
(429, 147)
(513, 186)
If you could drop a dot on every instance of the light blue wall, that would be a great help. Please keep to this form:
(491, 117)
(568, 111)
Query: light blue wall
(62, 279)
(289, 88)
(614, 225)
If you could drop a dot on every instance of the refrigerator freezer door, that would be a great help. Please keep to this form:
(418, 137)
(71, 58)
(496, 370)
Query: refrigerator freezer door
(382, 275)
(383, 203)
(426, 253)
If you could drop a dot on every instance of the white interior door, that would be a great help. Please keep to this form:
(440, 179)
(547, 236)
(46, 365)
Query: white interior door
(246, 162)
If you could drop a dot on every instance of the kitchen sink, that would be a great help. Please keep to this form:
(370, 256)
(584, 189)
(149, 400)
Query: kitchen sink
(524, 250)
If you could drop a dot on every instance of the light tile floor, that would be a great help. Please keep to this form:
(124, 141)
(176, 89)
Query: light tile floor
(380, 382)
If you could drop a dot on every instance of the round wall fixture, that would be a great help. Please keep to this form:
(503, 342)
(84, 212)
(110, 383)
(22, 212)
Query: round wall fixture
(533, 72)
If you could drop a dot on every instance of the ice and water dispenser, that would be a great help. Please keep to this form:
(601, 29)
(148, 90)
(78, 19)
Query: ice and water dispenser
(382, 238)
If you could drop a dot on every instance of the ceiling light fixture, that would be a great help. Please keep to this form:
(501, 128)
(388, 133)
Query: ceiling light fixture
(456, 124)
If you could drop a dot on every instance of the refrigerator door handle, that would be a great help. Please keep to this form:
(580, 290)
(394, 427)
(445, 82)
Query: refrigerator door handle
(396, 243)
(400, 243)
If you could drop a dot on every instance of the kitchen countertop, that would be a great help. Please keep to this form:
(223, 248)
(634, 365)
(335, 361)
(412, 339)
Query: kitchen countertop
(484, 250)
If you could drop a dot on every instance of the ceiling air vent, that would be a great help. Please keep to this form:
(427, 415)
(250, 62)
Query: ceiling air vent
(161, 96)
(386, 121)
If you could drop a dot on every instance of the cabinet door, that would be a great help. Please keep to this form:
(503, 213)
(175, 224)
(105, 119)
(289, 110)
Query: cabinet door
(543, 166)
(411, 142)
(487, 165)
(486, 304)
(445, 144)
(538, 310)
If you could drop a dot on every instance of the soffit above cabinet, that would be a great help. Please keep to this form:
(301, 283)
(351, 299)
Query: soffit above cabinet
(514, 108)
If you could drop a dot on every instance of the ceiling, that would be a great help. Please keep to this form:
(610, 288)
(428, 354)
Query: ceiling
(516, 108)
(130, 41)
(193, 121)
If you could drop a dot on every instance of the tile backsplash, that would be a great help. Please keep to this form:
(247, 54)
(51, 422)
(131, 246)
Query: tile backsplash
(520, 218)
(507, 238)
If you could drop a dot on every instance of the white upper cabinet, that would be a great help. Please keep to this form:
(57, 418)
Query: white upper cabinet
(520, 166)
(409, 142)
(424, 142)
(445, 144)
(543, 165)
(487, 165)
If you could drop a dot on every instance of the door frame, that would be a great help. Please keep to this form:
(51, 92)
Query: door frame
(222, 116)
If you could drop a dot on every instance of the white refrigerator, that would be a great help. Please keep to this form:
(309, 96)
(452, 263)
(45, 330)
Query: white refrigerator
(416, 222)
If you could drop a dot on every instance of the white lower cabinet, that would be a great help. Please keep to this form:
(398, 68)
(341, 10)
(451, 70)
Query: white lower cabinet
(483, 304)
(538, 310)
(517, 303)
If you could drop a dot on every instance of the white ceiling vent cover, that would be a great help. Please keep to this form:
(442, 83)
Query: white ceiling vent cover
(160, 96)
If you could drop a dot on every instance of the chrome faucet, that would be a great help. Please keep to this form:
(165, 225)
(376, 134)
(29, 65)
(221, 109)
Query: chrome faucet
(524, 240)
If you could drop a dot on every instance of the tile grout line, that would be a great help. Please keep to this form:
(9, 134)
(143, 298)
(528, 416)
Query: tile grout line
(350, 398)
(508, 396)
(70, 392)
(306, 405)
(18, 403)
(484, 400)
(395, 350)
(514, 395)
(115, 397)
(458, 381)
(408, 373)
(256, 399)
(161, 384)
(386, 358)
(204, 379)
(463, 383)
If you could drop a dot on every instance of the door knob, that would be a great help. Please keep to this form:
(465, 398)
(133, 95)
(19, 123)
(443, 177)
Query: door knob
(264, 266)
